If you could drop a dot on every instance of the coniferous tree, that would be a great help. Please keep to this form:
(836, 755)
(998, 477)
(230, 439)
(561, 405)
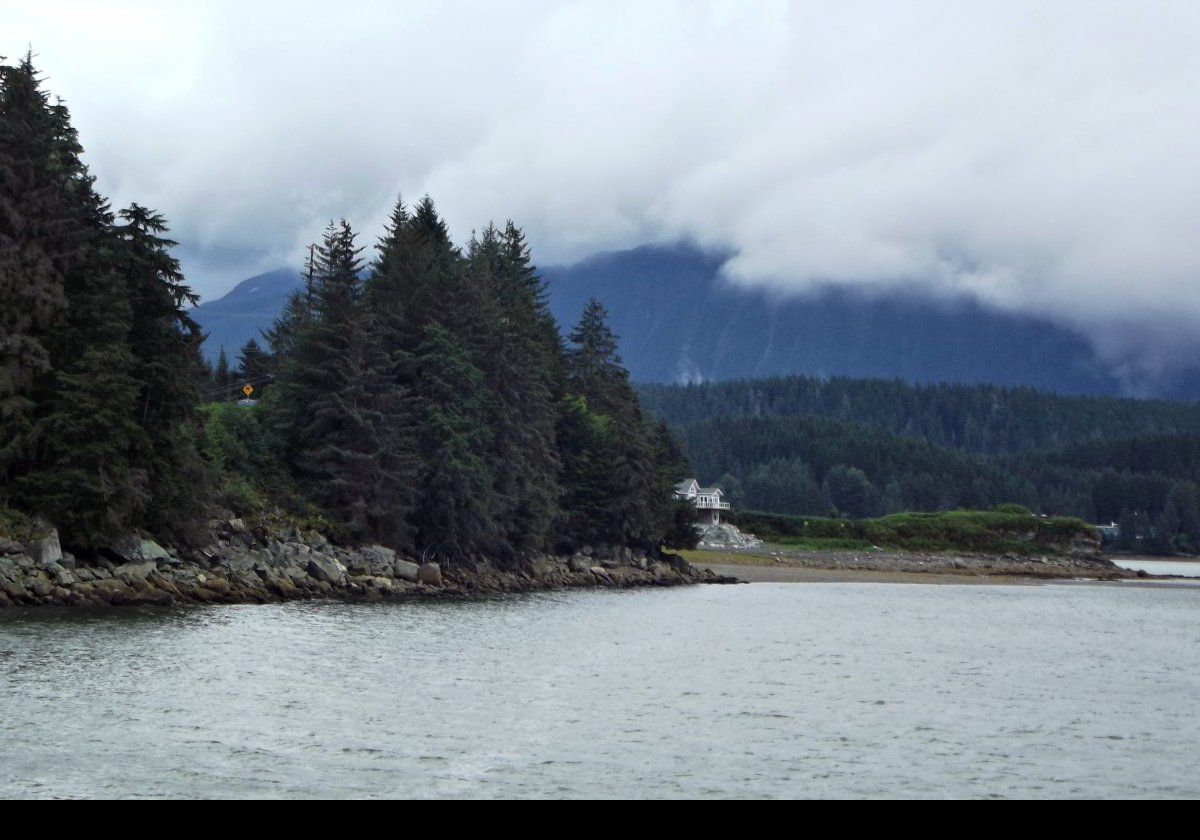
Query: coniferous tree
(85, 481)
(40, 174)
(430, 318)
(295, 318)
(330, 403)
(520, 367)
(222, 376)
(254, 366)
(452, 516)
(617, 484)
(165, 344)
(72, 435)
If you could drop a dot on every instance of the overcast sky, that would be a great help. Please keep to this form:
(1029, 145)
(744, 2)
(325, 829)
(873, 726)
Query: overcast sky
(1041, 156)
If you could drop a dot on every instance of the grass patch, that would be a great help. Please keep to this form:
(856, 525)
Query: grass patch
(803, 543)
(19, 527)
(1009, 530)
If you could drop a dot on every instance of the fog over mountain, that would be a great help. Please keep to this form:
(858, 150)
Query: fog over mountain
(1039, 159)
(680, 321)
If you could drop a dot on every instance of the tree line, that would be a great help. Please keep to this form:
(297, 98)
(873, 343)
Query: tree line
(422, 397)
(985, 419)
(846, 448)
(98, 356)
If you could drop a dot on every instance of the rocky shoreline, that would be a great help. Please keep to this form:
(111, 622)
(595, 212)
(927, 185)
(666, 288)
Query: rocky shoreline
(1071, 566)
(256, 564)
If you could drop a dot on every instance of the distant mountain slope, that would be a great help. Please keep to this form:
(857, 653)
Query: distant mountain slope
(679, 321)
(251, 307)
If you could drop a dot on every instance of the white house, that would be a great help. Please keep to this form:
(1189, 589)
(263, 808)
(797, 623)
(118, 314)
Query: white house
(710, 499)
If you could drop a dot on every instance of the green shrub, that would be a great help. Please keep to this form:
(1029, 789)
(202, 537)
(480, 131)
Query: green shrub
(1012, 530)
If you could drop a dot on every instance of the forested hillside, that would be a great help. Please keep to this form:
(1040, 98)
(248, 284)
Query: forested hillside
(867, 447)
(681, 320)
(420, 396)
(987, 419)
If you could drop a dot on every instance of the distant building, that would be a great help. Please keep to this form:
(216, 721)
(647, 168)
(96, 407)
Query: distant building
(708, 499)
(1109, 532)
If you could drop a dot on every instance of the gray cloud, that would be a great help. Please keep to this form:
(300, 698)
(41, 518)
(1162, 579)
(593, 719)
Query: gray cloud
(1039, 156)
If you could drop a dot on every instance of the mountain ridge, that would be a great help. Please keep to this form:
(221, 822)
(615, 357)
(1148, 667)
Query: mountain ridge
(679, 320)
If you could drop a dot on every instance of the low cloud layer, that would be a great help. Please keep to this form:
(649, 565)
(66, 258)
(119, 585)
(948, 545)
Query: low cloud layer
(1042, 157)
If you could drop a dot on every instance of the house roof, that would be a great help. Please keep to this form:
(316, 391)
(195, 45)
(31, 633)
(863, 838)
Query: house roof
(691, 483)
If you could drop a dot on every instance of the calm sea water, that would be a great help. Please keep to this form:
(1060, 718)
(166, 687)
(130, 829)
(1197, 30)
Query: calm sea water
(1182, 568)
(751, 691)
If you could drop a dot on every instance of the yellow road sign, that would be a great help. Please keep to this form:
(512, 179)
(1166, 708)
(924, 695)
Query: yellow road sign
(248, 390)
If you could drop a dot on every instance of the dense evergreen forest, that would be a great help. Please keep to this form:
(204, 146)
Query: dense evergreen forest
(861, 448)
(420, 396)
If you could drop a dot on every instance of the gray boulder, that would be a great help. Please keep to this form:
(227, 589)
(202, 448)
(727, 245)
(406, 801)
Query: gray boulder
(430, 574)
(135, 572)
(238, 561)
(327, 569)
(47, 550)
(541, 567)
(135, 549)
(60, 574)
(405, 570)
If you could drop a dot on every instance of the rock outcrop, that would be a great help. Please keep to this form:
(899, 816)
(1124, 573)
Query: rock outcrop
(725, 536)
(259, 564)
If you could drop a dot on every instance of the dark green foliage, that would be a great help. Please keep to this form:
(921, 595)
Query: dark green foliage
(520, 362)
(618, 467)
(329, 404)
(254, 366)
(452, 515)
(681, 532)
(984, 419)
(247, 459)
(433, 407)
(41, 224)
(85, 480)
(778, 441)
(99, 363)
(850, 491)
(430, 406)
(222, 376)
(165, 343)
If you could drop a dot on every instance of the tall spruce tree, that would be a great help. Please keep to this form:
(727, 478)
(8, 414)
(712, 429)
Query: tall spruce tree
(222, 376)
(615, 473)
(520, 366)
(84, 480)
(40, 175)
(165, 344)
(452, 517)
(295, 318)
(330, 398)
(254, 366)
(71, 436)
(431, 322)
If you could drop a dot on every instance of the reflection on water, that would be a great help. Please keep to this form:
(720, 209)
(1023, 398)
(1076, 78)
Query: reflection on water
(756, 691)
